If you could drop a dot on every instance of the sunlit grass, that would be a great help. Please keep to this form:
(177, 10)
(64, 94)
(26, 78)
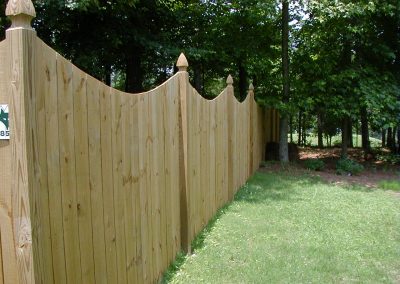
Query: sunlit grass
(296, 229)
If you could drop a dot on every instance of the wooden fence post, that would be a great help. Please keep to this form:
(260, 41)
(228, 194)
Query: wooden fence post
(16, 228)
(182, 65)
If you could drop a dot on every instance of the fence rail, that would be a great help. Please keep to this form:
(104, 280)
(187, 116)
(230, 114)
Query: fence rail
(101, 186)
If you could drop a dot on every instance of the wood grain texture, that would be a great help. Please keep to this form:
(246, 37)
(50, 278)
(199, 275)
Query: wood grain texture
(23, 147)
(95, 179)
(114, 184)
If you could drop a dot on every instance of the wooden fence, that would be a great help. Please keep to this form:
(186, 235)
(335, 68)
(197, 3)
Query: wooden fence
(101, 186)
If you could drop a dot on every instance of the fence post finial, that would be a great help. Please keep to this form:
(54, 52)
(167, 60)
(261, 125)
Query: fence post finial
(251, 87)
(229, 80)
(21, 13)
(182, 63)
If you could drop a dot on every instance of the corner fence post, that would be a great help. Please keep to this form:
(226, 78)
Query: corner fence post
(16, 228)
(182, 65)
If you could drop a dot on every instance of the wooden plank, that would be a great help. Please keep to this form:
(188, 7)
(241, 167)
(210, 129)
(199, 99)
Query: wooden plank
(219, 145)
(44, 271)
(204, 189)
(127, 187)
(54, 167)
(68, 171)
(183, 161)
(212, 159)
(160, 101)
(9, 267)
(231, 145)
(168, 156)
(84, 206)
(194, 157)
(108, 183)
(175, 173)
(154, 159)
(135, 187)
(95, 179)
(22, 122)
(225, 190)
(119, 196)
(191, 161)
(144, 203)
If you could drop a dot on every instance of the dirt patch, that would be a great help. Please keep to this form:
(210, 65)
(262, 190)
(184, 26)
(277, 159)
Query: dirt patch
(375, 171)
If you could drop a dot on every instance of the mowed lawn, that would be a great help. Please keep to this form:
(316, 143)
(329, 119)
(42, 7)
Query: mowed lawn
(283, 228)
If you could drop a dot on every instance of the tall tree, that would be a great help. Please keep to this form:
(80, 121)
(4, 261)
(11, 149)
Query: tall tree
(283, 121)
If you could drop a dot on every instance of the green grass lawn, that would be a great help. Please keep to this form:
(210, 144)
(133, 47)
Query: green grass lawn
(296, 229)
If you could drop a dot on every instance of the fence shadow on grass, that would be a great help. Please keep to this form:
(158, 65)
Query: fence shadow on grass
(263, 187)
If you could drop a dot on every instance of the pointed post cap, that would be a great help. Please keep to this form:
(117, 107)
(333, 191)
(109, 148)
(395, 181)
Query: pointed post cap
(21, 13)
(229, 80)
(251, 87)
(182, 63)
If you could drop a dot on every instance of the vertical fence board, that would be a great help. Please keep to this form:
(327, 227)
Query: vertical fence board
(84, 206)
(155, 181)
(119, 196)
(168, 156)
(161, 177)
(135, 172)
(44, 272)
(203, 165)
(195, 158)
(174, 170)
(53, 165)
(212, 159)
(108, 184)
(127, 187)
(95, 179)
(68, 171)
(143, 166)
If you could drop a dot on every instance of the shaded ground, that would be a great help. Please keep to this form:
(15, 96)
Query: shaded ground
(375, 171)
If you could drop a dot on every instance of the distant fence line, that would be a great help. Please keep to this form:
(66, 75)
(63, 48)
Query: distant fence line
(101, 186)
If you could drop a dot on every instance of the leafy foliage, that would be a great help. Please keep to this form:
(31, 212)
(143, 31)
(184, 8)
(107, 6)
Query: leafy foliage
(314, 164)
(346, 166)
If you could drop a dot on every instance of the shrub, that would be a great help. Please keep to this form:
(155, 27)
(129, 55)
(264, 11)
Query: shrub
(314, 164)
(346, 166)
(389, 158)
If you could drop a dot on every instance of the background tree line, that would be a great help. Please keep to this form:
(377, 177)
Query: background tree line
(344, 56)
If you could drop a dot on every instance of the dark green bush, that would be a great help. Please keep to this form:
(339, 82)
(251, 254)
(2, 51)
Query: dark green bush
(346, 166)
(314, 164)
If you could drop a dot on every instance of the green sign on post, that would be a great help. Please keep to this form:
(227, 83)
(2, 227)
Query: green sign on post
(4, 123)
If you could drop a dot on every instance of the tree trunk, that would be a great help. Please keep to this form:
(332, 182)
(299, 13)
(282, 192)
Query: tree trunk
(291, 128)
(394, 140)
(365, 131)
(198, 78)
(304, 132)
(383, 137)
(107, 75)
(345, 132)
(320, 131)
(389, 143)
(299, 132)
(350, 134)
(283, 141)
(134, 72)
(243, 86)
